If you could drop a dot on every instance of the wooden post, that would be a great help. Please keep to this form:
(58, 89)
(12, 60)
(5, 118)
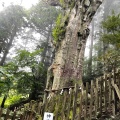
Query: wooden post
(115, 94)
(110, 93)
(31, 116)
(39, 108)
(113, 99)
(64, 104)
(45, 102)
(21, 117)
(14, 115)
(101, 84)
(57, 106)
(105, 92)
(96, 98)
(75, 101)
(80, 108)
(7, 114)
(0, 111)
(86, 100)
(91, 100)
(69, 103)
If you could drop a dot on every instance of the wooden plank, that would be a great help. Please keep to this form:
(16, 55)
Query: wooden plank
(110, 91)
(31, 117)
(57, 107)
(7, 114)
(96, 98)
(0, 112)
(75, 101)
(101, 86)
(69, 104)
(14, 115)
(21, 117)
(80, 107)
(45, 102)
(91, 100)
(86, 100)
(64, 104)
(105, 92)
(113, 98)
(39, 108)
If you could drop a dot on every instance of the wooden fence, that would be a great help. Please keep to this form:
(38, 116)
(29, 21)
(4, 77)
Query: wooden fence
(100, 98)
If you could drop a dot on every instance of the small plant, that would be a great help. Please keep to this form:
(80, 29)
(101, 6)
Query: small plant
(58, 29)
(62, 2)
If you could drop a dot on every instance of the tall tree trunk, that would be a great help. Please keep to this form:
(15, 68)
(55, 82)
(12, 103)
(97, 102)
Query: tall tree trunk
(66, 69)
(9, 44)
(47, 49)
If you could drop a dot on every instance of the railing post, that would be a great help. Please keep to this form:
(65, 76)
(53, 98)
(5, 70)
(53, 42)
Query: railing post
(80, 107)
(0, 111)
(69, 103)
(96, 98)
(14, 115)
(7, 114)
(86, 100)
(91, 100)
(110, 91)
(101, 86)
(105, 92)
(75, 101)
(64, 105)
(114, 95)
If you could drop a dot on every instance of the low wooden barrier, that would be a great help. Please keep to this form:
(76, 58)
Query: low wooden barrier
(99, 98)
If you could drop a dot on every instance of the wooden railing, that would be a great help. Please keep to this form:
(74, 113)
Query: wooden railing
(99, 98)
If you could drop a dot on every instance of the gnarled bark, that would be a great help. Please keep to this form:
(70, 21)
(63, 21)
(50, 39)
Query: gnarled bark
(66, 69)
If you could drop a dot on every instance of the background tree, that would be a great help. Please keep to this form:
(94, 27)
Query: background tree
(100, 47)
(25, 74)
(29, 70)
(111, 37)
(11, 21)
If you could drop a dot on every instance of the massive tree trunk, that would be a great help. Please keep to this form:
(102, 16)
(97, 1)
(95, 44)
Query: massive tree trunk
(66, 69)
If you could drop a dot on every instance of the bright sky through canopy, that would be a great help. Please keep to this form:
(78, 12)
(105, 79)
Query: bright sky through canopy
(25, 3)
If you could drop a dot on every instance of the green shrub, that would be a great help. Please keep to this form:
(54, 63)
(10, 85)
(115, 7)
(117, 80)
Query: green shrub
(13, 99)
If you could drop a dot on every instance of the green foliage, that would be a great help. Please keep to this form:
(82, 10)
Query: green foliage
(112, 23)
(5, 80)
(59, 29)
(23, 75)
(13, 99)
(112, 26)
(111, 57)
(42, 16)
(26, 58)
